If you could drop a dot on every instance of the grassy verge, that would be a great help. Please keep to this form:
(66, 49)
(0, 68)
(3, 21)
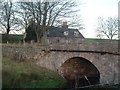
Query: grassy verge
(100, 40)
(27, 75)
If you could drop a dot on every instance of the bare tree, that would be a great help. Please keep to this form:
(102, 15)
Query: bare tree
(7, 18)
(23, 16)
(107, 28)
(45, 14)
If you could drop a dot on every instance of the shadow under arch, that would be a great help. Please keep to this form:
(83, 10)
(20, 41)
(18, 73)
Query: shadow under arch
(79, 71)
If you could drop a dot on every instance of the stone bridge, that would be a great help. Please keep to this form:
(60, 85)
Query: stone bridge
(103, 56)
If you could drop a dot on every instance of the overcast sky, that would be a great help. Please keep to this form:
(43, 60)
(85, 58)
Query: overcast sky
(92, 9)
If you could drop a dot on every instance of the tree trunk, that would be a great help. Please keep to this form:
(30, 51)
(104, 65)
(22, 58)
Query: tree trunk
(8, 29)
(38, 37)
(44, 39)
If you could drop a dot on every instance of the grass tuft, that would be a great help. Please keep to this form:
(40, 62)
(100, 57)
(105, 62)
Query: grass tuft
(28, 75)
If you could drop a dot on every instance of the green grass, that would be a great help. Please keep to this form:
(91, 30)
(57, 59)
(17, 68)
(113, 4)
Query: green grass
(28, 75)
(99, 40)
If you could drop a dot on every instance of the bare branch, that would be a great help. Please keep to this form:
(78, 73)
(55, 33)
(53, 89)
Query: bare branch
(108, 28)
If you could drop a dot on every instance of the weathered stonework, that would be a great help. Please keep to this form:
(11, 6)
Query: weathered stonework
(107, 64)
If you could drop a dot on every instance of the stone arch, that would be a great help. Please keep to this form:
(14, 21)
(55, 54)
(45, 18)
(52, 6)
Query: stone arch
(79, 72)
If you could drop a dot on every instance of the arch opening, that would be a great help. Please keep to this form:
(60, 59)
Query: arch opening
(79, 71)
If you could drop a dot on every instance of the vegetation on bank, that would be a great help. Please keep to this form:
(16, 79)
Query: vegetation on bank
(28, 75)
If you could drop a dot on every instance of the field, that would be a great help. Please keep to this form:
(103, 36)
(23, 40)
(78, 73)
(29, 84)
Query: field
(99, 40)
(28, 75)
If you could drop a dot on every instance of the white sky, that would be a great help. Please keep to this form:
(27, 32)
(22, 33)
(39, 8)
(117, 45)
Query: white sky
(92, 9)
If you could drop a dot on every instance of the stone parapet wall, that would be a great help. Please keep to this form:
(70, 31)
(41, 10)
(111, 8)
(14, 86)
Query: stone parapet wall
(87, 46)
(20, 52)
(28, 51)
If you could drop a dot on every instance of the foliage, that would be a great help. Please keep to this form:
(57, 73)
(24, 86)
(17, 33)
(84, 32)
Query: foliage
(31, 35)
(11, 38)
(28, 75)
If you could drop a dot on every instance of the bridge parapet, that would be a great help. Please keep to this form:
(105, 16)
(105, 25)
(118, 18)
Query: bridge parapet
(89, 46)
